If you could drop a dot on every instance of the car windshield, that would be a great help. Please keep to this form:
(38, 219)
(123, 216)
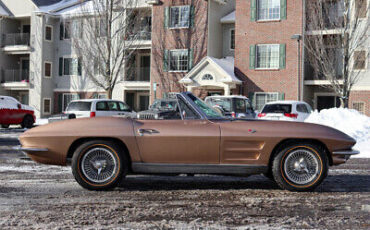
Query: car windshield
(224, 103)
(208, 110)
(277, 108)
(79, 106)
(164, 105)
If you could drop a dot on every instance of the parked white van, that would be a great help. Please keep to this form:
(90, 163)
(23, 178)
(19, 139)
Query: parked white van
(99, 108)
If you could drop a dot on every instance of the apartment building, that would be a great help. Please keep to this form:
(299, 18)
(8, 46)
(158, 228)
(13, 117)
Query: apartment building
(248, 47)
(40, 67)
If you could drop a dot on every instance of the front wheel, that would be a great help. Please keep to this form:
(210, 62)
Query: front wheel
(99, 165)
(300, 167)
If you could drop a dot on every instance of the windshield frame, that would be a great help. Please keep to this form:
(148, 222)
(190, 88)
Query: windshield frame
(187, 97)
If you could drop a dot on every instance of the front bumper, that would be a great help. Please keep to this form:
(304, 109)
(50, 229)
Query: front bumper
(19, 148)
(341, 156)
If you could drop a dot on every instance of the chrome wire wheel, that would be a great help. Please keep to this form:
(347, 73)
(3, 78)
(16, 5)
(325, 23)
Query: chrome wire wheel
(301, 166)
(99, 165)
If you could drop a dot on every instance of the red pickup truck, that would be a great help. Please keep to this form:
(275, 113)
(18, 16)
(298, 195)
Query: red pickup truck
(14, 113)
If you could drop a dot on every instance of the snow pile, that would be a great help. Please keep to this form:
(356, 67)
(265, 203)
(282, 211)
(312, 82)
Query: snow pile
(41, 121)
(348, 121)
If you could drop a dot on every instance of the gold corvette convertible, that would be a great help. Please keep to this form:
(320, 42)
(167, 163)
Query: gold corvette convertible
(190, 138)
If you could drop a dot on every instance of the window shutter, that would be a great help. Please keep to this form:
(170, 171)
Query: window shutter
(60, 103)
(253, 10)
(282, 56)
(251, 98)
(61, 32)
(192, 16)
(252, 57)
(190, 59)
(165, 61)
(60, 66)
(282, 9)
(79, 66)
(281, 96)
(166, 17)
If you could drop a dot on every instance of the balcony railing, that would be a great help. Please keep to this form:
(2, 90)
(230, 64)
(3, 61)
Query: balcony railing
(16, 39)
(138, 74)
(139, 35)
(14, 75)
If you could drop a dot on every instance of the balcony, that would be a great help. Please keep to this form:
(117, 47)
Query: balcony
(17, 43)
(137, 78)
(14, 79)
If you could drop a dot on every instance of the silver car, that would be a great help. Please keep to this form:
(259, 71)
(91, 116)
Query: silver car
(232, 106)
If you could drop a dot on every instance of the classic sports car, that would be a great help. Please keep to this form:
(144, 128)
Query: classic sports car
(103, 150)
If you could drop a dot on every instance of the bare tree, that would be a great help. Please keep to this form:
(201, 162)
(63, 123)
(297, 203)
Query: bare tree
(193, 39)
(106, 36)
(336, 32)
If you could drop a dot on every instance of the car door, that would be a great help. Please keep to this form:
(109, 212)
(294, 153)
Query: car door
(302, 112)
(102, 109)
(189, 140)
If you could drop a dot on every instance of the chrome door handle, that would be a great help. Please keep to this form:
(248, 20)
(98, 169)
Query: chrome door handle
(148, 131)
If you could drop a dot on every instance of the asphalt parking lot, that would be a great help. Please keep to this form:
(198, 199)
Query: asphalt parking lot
(47, 197)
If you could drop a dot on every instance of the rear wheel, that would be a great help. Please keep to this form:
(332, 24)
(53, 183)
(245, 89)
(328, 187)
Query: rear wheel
(5, 126)
(300, 167)
(99, 165)
(27, 122)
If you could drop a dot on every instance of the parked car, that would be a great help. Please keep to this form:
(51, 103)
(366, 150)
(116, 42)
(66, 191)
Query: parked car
(232, 106)
(94, 108)
(285, 110)
(161, 109)
(103, 150)
(12, 112)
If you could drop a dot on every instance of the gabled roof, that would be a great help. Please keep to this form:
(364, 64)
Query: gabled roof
(45, 2)
(230, 18)
(224, 66)
(4, 11)
(59, 5)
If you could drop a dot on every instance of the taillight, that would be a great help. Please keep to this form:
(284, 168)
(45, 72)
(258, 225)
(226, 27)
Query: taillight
(291, 115)
(261, 114)
(92, 114)
(233, 115)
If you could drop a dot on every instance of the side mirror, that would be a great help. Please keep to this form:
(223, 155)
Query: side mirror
(19, 106)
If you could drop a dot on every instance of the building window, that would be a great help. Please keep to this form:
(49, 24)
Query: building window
(68, 97)
(359, 106)
(179, 16)
(359, 60)
(268, 9)
(65, 30)
(232, 39)
(47, 105)
(102, 28)
(268, 56)
(48, 33)
(262, 98)
(179, 60)
(48, 69)
(70, 66)
(361, 8)
(207, 77)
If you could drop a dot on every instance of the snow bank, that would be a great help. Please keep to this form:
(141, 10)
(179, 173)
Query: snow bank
(41, 121)
(348, 121)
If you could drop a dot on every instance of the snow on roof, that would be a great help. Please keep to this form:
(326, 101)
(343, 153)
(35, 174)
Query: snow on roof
(227, 64)
(3, 11)
(45, 2)
(78, 9)
(57, 6)
(230, 18)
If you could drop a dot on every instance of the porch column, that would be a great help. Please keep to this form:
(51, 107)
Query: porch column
(189, 88)
(227, 90)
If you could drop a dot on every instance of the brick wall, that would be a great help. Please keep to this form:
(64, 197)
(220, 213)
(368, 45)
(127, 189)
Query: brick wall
(360, 96)
(271, 32)
(166, 39)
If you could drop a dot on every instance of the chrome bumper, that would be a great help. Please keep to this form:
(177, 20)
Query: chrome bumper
(19, 148)
(346, 152)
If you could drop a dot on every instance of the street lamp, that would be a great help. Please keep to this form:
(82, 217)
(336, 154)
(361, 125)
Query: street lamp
(298, 37)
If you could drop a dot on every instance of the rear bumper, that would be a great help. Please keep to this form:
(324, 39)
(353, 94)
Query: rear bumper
(341, 156)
